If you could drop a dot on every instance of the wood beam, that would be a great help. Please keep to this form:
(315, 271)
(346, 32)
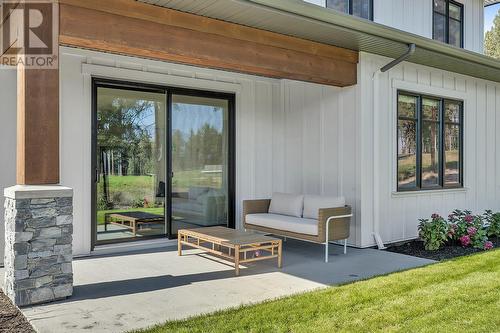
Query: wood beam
(38, 118)
(143, 30)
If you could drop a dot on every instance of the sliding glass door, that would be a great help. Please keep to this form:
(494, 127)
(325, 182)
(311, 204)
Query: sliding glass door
(163, 160)
(200, 161)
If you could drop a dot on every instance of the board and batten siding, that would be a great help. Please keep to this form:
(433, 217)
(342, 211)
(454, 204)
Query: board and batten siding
(415, 16)
(397, 214)
(8, 107)
(290, 136)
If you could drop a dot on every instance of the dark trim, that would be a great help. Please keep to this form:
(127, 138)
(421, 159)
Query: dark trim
(447, 21)
(168, 92)
(442, 159)
(350, 9)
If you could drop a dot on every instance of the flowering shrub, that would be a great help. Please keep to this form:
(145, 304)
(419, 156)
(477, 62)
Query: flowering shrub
(468, 229)
(434, 232)
(461, 227)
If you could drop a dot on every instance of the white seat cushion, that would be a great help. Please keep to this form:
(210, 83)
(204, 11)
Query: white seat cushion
(284, 222)
(287, 204)
(312, 204)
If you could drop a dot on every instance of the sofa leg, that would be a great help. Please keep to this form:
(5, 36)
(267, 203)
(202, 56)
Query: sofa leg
(345, 246)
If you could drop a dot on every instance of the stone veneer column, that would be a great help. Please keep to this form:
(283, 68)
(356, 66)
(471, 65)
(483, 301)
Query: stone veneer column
(38, 243)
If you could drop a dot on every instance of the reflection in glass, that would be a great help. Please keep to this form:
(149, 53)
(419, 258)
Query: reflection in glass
(131, 136)
(199, 161)
(407, 106)
(407, 154)
(455, 33)
(407, 141)
(452, 147)
(340, 5)
(430, 154)
(440, 6)
(439, 27)
(361, 8)
(455, 11)
(452, 157)
(430, 109)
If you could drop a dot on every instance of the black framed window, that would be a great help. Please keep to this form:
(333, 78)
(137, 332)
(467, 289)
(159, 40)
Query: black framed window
(359, 8)
(448, 22)
(163, 158)
(429, 142)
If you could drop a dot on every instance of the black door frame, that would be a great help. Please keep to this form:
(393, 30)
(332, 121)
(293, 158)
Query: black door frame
(168, 91)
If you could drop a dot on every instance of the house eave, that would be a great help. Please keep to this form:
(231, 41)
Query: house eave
(304, 20)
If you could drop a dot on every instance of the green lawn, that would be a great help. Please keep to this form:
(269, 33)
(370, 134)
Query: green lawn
(461, 295)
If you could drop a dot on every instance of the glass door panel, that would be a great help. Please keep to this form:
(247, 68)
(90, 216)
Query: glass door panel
(131, 159)
(200, 167)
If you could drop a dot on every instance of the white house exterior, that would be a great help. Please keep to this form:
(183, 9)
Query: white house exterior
(296, 136)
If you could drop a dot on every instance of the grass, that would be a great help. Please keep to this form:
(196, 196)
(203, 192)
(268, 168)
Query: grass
(460, 295)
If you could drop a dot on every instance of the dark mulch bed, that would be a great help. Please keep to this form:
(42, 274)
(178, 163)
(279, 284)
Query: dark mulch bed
(416, 248)
(11, 319)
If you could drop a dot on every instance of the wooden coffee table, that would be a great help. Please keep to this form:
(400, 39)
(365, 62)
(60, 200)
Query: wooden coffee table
(235, 245)
(131, 220)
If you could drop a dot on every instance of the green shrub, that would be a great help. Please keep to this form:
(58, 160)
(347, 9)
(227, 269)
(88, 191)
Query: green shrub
(467, 229)
(433, 232)
(493, 221)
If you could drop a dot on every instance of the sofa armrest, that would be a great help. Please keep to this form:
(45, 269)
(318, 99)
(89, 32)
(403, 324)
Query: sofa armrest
(338, 227)
(255, 207)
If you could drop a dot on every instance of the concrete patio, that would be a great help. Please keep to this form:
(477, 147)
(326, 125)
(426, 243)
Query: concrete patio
(116, 293)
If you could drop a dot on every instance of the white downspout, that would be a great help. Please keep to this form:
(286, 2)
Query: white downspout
(376, 144)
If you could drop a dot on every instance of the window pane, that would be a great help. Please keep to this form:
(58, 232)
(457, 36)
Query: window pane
(440, 6)
(340, 5)
(430, 109)
(455, 11)
(452, 154)
(430, 154)
(407, 154)
(452, 112)
(361, 8)
(455, 33)
(200, 139)
(131, 150)
(439, 28)
(407, 106)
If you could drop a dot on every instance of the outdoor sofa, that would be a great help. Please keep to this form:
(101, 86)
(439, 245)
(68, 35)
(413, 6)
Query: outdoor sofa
(313, 218)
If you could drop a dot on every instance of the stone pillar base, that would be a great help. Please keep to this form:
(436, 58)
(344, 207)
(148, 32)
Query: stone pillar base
(38, 243)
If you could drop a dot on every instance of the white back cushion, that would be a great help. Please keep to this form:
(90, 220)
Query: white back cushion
(287, 204)
(312, 204)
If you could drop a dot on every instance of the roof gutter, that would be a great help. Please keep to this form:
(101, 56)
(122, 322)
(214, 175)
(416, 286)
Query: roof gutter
(319, 14)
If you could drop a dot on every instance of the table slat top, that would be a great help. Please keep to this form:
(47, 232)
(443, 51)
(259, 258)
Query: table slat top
(228, 236)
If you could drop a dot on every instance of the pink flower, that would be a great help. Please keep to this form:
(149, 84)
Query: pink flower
(435, 216)
(469, 218)
(471, 231)
(454, 227)
(465, 240)
(488, 245)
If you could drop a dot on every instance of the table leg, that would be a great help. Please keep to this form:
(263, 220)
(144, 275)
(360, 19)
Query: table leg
(134, 227)
(280, 253)
(237, 259)
(179, 244)
(106, 217)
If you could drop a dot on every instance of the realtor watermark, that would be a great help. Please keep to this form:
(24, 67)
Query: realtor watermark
(29, 34)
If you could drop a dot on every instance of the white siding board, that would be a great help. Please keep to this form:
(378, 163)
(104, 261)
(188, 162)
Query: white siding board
(8, 98)
(399, 213)
(283, 128)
